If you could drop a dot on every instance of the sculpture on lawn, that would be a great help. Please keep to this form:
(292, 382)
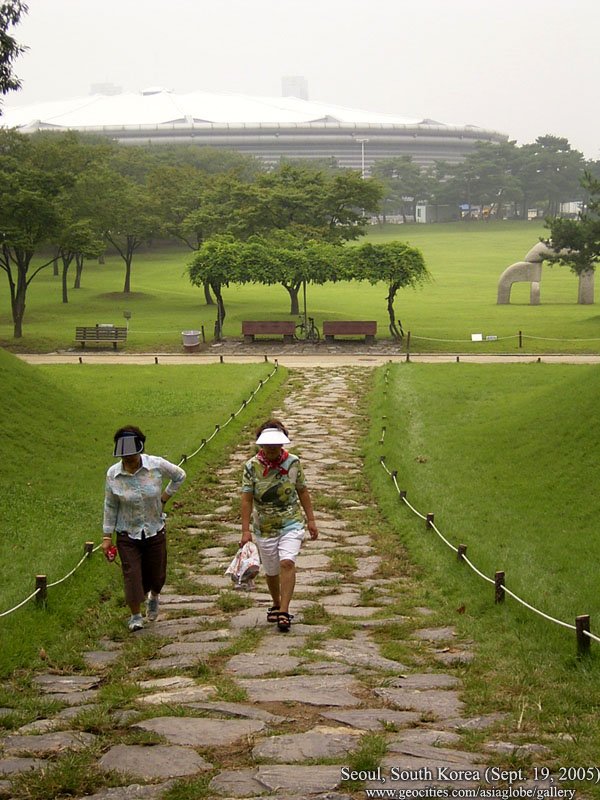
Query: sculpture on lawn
(530, 271)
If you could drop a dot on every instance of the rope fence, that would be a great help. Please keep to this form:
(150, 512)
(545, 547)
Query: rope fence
(481, 339)
(41, 583)
(582, 622)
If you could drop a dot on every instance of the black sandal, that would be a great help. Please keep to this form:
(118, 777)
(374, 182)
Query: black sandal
(284, 621)
(273, 614)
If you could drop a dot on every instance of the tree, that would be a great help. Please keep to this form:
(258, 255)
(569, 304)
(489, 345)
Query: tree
(10, 14)
(29, 216)
(292, 262)
(405, 184)
(218, 263)
(577, 242)
(395, 263)
(551, 173)
(78, 239)
(123, 210)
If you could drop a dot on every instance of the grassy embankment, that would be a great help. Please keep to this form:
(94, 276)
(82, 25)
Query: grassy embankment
(465, 260)
(56, 432)
(505, 456)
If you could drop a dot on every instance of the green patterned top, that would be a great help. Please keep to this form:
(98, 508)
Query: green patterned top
(277, 506)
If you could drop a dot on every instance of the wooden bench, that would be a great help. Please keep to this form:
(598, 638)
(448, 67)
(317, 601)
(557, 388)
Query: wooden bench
(100, 334)
(366, 328)
(252, 328)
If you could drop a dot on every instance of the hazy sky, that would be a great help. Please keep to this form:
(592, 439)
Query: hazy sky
(523, 67)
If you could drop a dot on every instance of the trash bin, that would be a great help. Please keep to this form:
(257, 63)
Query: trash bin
(191, 341)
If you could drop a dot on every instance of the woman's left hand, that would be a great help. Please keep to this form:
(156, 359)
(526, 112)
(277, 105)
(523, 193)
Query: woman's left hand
(312, 530)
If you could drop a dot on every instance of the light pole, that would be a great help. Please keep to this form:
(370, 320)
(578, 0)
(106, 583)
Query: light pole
(362, 143)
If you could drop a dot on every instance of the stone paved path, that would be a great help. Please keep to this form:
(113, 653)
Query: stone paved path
(264, 713)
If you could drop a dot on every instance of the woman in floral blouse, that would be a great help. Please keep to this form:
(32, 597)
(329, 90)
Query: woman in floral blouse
(134, 502)
(276, 501)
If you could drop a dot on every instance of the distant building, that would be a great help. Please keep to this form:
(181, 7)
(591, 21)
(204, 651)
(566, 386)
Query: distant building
(435, 212)
(270, 128)
(294, 86)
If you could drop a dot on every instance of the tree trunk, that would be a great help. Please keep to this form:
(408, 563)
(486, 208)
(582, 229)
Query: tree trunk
(18, 302)
(293, 293)
(55, 267)
(216, 287)
(127, 284)
(395, 328)
(65, 270)
(207, 295)
(78, 270)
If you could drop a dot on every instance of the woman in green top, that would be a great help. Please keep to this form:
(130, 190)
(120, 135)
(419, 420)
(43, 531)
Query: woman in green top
(275, 500)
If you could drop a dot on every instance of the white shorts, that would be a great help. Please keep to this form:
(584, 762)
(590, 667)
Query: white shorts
(275, 549)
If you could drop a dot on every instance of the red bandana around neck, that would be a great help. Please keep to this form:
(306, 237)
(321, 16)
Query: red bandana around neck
(273, 464)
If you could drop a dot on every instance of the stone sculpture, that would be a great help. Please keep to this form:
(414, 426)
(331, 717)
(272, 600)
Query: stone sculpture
(530, 270)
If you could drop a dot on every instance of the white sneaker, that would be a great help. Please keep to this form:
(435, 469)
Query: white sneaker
(135, 623)
(152, 608)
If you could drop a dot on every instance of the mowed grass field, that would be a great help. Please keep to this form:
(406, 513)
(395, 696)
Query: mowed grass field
(56, 432)
(465, 260)
(506, 459)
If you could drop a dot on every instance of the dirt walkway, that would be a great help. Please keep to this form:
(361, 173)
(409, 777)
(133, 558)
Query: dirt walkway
(225, 701)
(302, 359)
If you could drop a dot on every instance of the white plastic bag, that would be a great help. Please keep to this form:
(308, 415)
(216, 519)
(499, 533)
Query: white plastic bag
(244, 567)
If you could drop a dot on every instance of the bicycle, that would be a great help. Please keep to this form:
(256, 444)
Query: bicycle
(307, 331)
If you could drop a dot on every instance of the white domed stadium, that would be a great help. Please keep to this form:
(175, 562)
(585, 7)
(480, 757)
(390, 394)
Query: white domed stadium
(269, 128)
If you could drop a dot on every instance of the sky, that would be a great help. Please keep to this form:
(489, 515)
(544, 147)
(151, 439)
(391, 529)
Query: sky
(522, 67)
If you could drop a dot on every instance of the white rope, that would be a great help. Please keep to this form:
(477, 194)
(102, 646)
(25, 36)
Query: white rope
(231, 417)
(451, 546)
(549, 339)
(474, 568)
(68, 575)
(22, 603)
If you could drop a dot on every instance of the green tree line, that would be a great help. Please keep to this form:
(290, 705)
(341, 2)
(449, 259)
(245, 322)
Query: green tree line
(65, 198)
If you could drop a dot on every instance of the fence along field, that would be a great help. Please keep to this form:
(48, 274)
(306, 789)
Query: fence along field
(465, 259)
(503, 458)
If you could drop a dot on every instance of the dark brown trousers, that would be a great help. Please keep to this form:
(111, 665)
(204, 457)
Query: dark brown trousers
(144, 565)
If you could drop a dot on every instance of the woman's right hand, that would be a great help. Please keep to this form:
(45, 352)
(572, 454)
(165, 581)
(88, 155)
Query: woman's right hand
(106, 543)
(246, 537)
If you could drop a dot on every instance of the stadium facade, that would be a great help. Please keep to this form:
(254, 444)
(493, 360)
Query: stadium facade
(270, 128)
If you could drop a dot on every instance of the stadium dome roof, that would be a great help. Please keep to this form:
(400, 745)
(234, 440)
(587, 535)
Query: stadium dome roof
(157, 106)
(269, 127)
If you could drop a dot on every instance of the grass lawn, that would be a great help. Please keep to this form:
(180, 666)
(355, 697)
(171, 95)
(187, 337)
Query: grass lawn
(465, 260)
(505, 457)
(56, 429)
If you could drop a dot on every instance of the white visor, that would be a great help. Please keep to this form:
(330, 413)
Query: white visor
(129, 444)
(272, 436)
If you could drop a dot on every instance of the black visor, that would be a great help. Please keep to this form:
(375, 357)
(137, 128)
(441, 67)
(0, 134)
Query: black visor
(129, 444)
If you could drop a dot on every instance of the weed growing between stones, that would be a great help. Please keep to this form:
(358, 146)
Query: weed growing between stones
(71, 775)
(315, 614)
(343, 562)
(233, 601)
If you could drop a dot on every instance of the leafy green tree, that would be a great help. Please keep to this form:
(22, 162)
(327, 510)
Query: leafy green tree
(218, 262)
(577, 242)
(77, 240)
(123, 210)
(551, 173)
(404, 185)
(394, 263)
(11, 12)
(292, 262)
(30, 216)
